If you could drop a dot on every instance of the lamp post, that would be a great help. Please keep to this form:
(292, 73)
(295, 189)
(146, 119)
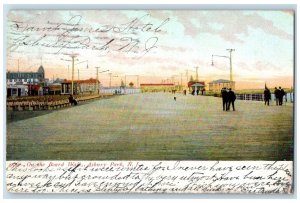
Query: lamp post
(72, 84)
(73, 56)
(97, 79)
(228, 57)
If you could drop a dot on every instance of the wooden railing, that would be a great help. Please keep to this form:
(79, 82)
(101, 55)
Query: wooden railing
(47, 102)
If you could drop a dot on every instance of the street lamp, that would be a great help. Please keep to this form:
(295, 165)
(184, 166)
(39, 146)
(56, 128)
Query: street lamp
(97, 80)
(73, 56)
(110, 76)
(228, 57)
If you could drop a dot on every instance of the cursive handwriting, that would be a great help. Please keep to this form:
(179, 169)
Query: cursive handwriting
(149, 177)
(133, 37)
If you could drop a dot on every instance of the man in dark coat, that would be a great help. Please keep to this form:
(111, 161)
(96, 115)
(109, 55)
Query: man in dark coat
(71, 99)
(231, 99)
(276, 92)
(281, 95)
(224, 95)
(267, 95)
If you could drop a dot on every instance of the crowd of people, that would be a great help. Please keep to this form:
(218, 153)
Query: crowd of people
(279, 94)
(228, 98)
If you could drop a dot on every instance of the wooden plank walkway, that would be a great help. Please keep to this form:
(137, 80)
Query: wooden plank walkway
(152, 126)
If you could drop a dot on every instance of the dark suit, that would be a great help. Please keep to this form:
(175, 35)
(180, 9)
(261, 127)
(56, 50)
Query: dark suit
(231, 100)
(281, 95)
(267, 95)
(224, 94)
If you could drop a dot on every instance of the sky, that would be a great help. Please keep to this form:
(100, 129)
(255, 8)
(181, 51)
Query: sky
(157, 45)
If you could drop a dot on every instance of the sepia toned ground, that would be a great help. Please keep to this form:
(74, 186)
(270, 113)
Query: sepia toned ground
(152, 126)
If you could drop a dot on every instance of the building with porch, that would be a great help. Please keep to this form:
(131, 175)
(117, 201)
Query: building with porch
(217, 85)
(157, 87)
(195, 87)
(80, 86)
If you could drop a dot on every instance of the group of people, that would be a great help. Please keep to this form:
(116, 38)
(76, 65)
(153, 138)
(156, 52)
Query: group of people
(279, 94)
(228, 97)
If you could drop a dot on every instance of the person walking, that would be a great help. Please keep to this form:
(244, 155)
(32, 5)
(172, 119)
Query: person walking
(267, 95)
(276, 93)
(281, 95)
(231, 99)
(224, 95)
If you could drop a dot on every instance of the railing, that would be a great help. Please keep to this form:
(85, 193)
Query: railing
(289, 97)
(255, 97)
(46, 103)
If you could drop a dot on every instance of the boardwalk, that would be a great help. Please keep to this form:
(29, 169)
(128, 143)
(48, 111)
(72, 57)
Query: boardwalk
(152, 126)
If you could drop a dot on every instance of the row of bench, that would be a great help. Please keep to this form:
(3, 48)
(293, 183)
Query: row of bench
(45, 105)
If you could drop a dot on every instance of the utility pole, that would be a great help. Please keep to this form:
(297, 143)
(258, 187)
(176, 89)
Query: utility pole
(97, 79)
(97, 82)
(197, 74)
(110, 79)
(181, 79)
(72, 85)
(230, 61)
(78, 74)
(230, 58)
(187, 76)
(73, 56)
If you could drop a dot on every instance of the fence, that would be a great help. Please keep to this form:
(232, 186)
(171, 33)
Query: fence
(289, 97)
(47, 103)
(119, 90)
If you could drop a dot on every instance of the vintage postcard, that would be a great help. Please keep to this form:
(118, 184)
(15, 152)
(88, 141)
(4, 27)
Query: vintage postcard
(150, 101)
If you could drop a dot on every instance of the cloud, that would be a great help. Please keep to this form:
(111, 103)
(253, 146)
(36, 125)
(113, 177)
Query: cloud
(262, 66)
(229, 25)
(179, 48)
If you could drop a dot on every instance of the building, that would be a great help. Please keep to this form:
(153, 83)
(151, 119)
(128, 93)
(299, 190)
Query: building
(25, 78)
(196, 86)
(16, 90)
(158, 87)
(52, 89)
(25, 83)
(80, 86)
(217, 85)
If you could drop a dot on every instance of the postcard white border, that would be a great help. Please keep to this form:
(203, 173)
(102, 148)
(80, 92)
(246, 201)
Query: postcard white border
(212, 4)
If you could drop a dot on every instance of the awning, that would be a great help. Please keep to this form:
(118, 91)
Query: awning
(198, 85)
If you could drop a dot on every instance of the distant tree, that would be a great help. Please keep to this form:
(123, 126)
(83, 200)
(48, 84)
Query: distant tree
(191, 79)
(131, 84)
